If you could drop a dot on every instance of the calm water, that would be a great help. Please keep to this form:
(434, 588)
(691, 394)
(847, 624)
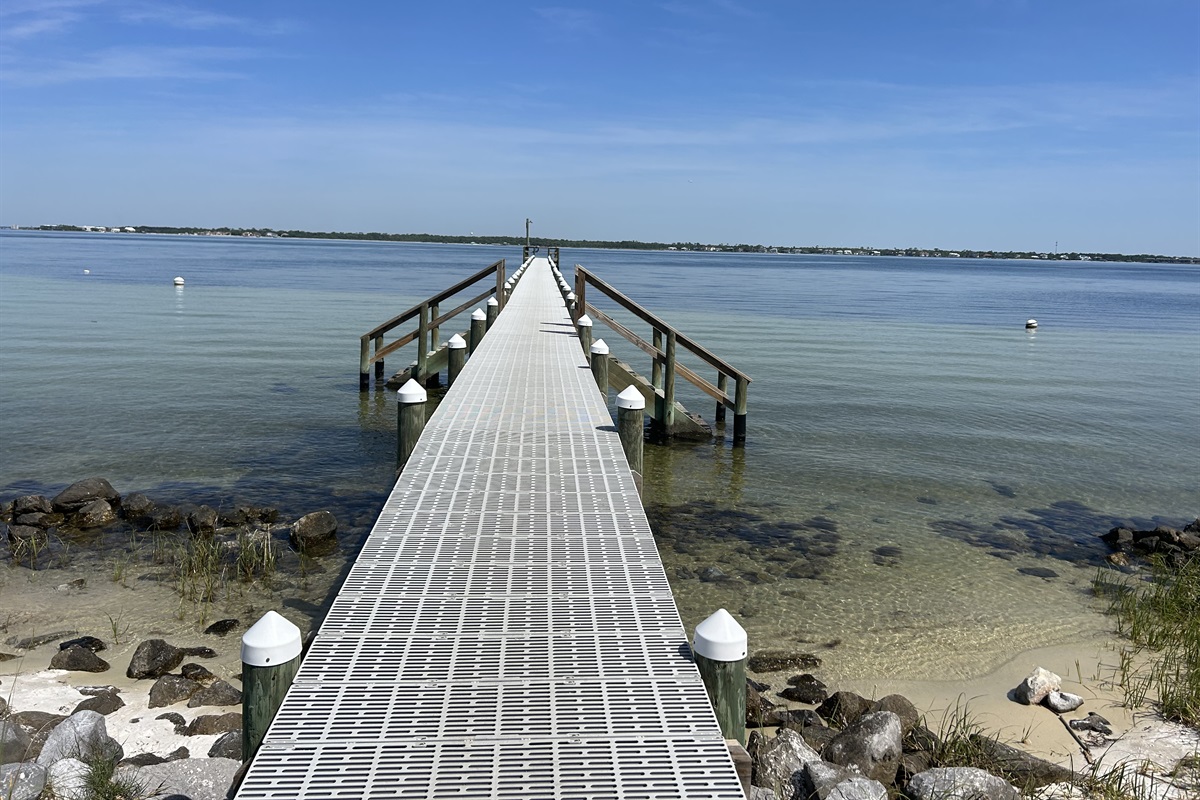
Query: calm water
(912, 448)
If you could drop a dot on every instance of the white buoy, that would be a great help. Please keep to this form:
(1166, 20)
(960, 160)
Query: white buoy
(1031, 323)
(178, 281)
(87, 272)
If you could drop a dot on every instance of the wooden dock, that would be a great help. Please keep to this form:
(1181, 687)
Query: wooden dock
(507, 630)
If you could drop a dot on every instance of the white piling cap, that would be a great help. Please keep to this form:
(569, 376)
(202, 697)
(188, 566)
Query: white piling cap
(720, 638)
(478, 313)
(456, 342)
(178, 281)
(508, 284)
(270, 641)
(493, 302)
(600, 348)
(412, 392)
(571, 297)
(630, 398)
(584, 321)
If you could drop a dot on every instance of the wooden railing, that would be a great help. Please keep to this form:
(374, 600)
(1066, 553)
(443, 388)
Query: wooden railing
(429, 321)
(665, 366)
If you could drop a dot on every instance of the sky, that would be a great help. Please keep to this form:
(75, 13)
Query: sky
(961, 124)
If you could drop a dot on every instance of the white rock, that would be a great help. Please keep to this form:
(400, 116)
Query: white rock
(1062, 702)
(22, 781)
(1040, 683)
(82, 735)
(68, 779)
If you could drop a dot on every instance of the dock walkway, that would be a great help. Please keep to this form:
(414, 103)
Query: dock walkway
(508, 630)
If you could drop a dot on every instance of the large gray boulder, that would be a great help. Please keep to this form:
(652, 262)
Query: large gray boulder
(858, 788)
(31, 504)
(171, 689)
(778, 762)
(842, 708)
(822, 777)
(79, 494)
(315, 533)
(194, 778)
(960, 783)
(22, 781)
(14, 743)
(69, 779)
(78, 659)
(96, 514)
(903, 708)
(83, 736)
(872, 743)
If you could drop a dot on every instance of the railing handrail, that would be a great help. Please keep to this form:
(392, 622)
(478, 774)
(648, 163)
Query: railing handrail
(659, 324)
(400, 319)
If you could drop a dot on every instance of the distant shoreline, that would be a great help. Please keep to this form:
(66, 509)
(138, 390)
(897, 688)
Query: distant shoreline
(695, 247)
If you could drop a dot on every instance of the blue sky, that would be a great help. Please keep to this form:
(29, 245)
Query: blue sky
(988, 124)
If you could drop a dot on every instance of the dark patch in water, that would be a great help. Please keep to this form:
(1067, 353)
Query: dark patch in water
(887, 555)
(283, 388)
(1038, 572)
(929, 501)
(1002, 489)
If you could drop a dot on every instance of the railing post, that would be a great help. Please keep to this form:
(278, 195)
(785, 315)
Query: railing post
(584, 324)
(364, 364)
(500, 282)
(435, 335)
(739, 411)
(478, 328)
(457, 358)
(580, 291)
(669, 383)
(422, 342)
(493, 308)
(656, 367)
(723, 388)
(599, 354)
(720, 649)
(270, 659)
(630, 415)
(378, 361)
(410, 420)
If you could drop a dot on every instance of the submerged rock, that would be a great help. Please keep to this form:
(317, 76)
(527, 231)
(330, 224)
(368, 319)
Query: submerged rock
(775, 661)
(315, 533)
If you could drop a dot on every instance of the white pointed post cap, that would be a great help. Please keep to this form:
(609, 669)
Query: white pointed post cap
(412, 392)
(571, 297)
(720, 638)
(584, 321)
(478, 313)
(600, 348)
(630, 398)
(492, 301)
(456, 342)
(508, 284)
(270, 641)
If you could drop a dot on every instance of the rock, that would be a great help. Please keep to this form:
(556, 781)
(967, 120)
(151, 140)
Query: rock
(819, 778)
(960, 783)
(714, 575)
(759, 793)
(71, 586)
(22, 781)
(31, 504)
(775, 661)
(175, 719)
(209, 724)
(222, 627)
(199, 652)
(842, 708)
(6, 657)
(96, 514)
(858, 788)
(796, 718)
(818, 737)
(1017, 766)
(778, 762)
(899, 705)
(1038, 572)
(805, 689)
(23, 536)
(197, 673)
(102, 704)
(39, 520)
(3, 711)
(315, 533)
(1036, 686)
(1092, 722)
(229, 745)
(921, 738)
(95, 691)
(758, 708)
(1062, 702)
(912, 763)
(202, 520)
(39, 725)
(14, 743)
(30, 642)
(86, 642)
(137, 508)
(164, 518)
(1118, 559)
(193, 778)
(872, 743)
(1118, 537)
(79, 494)
(82, 736)
(79, 659)
(219, 694)
(69, 778)
(171, 689)
(154, 658)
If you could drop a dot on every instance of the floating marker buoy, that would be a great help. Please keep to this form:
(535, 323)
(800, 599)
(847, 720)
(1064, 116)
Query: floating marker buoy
(87, 272)
(1030, 324)
(179, 282)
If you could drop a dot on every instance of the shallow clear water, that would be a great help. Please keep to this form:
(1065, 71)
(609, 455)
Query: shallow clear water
(897, 404)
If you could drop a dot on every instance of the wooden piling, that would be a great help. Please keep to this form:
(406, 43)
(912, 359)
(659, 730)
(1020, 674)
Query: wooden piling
(720, 650)
(493, 309)
(457, 358)
(599, 354)
(723, 388)
(478, 328)
(378, 361)
(364, 363)
(630, 417)
(410, 420)
(422, 343)
(739, 410)
(584, 326)
(270, 658)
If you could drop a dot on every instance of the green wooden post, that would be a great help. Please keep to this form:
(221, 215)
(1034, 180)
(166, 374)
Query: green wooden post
(410, 420)
(422, 343)
(501, 281)
(739, 411)
(364, 364)
(723, 387)
(669, 384)
(720, 651)
(599, 354)
(457, 357)
(493, 309)
(630, 415)
(270, 659)
(478, 328)
(584, 326)
(378, 361)
(656, 367)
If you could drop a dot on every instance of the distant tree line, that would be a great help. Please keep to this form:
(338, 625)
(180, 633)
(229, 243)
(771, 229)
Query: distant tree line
(627, 244)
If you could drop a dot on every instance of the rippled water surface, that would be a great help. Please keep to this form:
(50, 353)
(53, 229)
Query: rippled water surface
(921, 490)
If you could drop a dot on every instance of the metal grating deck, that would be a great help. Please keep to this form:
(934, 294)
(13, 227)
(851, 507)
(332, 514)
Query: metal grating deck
(507, 630)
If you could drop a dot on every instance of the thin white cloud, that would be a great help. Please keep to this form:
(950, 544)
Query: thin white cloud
(129, 63)
(573, 21)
